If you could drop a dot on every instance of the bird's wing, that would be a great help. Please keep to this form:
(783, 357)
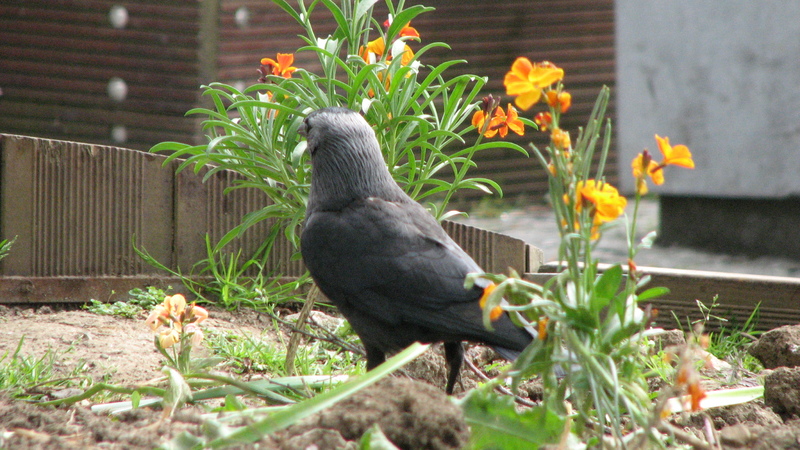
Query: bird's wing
(398, 277)
(389, 256)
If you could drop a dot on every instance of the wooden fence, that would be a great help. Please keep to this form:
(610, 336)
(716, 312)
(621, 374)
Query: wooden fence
(75, 208)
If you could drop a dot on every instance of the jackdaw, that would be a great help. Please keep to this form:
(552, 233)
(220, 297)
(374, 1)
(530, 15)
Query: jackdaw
(382, 258)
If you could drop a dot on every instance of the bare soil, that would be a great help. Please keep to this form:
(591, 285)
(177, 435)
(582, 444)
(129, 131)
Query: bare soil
(412, 414)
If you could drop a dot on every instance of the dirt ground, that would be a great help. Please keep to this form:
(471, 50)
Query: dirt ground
(121, 351)
(412, 414)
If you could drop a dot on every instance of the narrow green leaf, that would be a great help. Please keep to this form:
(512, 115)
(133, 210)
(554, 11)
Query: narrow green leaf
(292, 414)
(652, 293)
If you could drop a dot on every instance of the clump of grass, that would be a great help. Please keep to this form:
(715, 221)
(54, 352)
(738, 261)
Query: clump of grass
(245, 354)
(32, 378)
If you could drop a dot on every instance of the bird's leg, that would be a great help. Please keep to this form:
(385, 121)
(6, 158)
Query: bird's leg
(375, 357)
(454, 354)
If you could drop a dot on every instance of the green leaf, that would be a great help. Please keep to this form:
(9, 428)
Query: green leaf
(136, 397)
(338, 15)
(363, 7)
(652, 293)
(403, 18)
(374, 439)
(178, 391)
(608, 284)
(496, 424)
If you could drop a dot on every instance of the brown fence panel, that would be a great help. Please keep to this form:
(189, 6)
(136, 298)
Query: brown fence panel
(75, 208)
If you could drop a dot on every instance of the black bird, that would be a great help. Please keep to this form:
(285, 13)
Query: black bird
(382, 258)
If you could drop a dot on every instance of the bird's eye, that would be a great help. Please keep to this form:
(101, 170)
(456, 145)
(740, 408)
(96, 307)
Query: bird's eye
(305, 127)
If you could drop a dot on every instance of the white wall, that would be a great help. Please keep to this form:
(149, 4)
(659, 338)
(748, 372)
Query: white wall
(721, 76)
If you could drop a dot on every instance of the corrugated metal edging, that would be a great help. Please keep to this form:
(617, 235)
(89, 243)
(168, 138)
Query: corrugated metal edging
(777, 298)
(76, 207)
(57, 58)
(577, 35)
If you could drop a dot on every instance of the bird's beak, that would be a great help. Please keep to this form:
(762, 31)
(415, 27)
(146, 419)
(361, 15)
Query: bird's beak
(302, 130)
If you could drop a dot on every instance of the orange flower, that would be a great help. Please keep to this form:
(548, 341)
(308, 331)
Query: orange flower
(643, 166)
(561, 100)
(543, 120)
(605, 202)
(496, 311)
(608, 204)
(696, 394)
(406, 31)
(374, 51)
(674, 156)
(500, 122)
(281, 68)
(527, 80)
(542, 327)
(560, 139)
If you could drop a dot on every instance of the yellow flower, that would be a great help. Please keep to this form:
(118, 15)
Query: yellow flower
(198, 314)
(175, 304)
(644, 166)
(604, 200)
(542, 327)
(496, 311)
(282, 67)
(169, 337)
(157, 316)
(169, 311)
(527, 80)
(608, 204)
(374, 51)
(674, 156)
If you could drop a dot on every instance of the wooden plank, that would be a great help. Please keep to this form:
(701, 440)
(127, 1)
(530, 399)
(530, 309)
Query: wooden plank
(176, 10)
(89, 45)
(92, 59)
(739, 294)
(45, 290)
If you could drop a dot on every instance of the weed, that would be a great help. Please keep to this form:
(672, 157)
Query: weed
(26, 376)
(140, 300)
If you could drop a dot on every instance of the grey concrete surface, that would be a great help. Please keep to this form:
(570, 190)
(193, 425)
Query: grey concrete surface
(720, 77)
(536, 225)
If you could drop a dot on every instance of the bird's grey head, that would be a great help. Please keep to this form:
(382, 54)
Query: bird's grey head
(346, 159)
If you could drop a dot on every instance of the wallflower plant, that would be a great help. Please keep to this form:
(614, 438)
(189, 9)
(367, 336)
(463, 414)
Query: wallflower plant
(176, 325)
(590, 324)
(421, 114)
